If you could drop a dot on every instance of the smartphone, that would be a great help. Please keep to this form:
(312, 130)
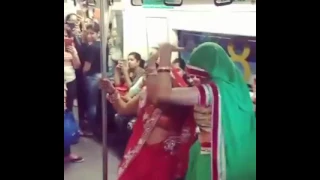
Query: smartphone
(68, 41)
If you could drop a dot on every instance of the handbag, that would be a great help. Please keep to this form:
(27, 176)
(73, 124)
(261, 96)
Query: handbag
(71, 129)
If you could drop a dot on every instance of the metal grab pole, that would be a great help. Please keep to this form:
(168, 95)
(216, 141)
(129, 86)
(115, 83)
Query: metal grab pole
(104, 24)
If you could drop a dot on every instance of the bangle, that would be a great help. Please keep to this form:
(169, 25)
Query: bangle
(164, 69)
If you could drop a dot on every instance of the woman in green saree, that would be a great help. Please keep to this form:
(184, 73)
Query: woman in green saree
(223, 110)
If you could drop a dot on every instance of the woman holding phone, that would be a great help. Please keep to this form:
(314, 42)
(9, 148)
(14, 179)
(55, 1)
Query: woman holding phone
(68, 156)
(127, 75)
(128, 72)
(71, 62)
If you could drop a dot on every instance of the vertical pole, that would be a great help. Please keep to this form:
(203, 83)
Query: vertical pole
(104, 24)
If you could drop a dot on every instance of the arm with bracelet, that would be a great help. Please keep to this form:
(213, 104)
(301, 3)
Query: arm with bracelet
(223, 110)
(151, 75)
(122, 107)
(182, 95)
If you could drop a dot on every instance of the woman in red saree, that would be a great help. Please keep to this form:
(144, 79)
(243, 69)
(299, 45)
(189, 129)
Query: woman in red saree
(162, 135)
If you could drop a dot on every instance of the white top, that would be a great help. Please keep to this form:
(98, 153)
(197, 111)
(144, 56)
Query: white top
(69, 74)
(136, 88)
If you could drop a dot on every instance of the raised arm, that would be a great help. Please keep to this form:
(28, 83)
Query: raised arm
(117, 75)
(75, 58)
(151, 76)
(165, 93)
(125, 71)
(129, 108)
(123, 108)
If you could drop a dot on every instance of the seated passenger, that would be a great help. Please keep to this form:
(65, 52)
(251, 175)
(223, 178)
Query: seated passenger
(130, 70)
(179, 63)
(161, 136)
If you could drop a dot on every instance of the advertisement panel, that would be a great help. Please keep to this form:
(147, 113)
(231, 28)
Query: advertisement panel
(242, 49)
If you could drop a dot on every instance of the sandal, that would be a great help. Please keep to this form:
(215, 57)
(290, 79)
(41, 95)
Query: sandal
(73, 159)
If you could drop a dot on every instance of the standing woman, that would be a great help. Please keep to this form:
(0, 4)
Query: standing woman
(223, 110)
(71, 62)
(161, 137)
(72, 27)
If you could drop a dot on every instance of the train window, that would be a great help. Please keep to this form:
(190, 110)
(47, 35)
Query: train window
(222, 2)
(136, 2)
(173, 2)
(242, 49)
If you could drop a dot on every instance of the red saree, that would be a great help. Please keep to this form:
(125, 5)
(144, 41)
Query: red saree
(166, 160)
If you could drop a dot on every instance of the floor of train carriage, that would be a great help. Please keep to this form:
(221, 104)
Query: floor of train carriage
(91, 168)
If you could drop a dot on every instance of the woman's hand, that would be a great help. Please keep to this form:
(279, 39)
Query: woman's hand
(72, 50)
(172, 47)
(80, 19)
(165, 51)
(118, 68)
(124, 66)
(153, 58)
(107, 85)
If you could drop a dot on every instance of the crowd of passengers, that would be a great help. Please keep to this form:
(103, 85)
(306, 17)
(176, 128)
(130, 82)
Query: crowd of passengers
(82, 74)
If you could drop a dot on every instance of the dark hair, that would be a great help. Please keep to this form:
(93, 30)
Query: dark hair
(181, 62)
(136, 55)
(94, 27)
(69, 16)
(142, 63)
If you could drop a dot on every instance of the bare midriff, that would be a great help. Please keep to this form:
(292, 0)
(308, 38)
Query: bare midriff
(202, 117)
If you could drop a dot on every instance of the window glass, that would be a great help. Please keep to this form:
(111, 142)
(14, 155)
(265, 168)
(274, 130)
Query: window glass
(242, 49)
